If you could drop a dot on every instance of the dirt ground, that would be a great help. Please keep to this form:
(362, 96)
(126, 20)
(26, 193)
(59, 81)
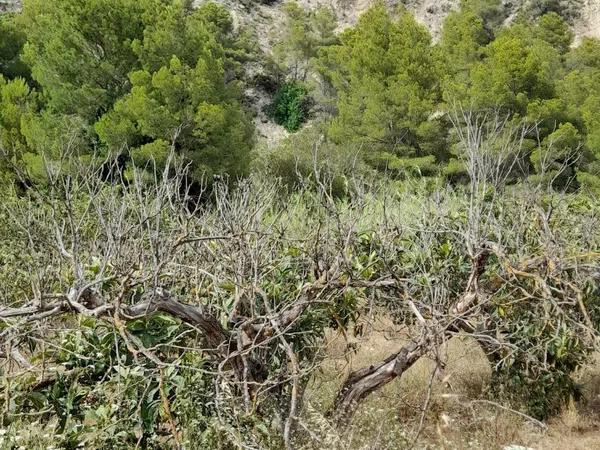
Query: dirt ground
(460, 415)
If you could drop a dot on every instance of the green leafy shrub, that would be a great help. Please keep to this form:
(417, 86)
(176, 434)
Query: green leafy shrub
(537, 374)
(307, 158)
(110, 391)
(290, 106)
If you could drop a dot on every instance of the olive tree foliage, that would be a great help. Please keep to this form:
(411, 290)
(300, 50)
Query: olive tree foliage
(132, 314)
(204, 321)
(539, 381)
(506, 288)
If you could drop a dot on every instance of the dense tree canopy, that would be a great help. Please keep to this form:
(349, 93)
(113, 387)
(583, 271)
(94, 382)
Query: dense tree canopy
(386, 77)
(120, 76)
(144, 78)
(530, 71)
(183, 101)
(80, 52)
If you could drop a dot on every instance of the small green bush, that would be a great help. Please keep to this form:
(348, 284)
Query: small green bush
(307, 159)
(290, 106)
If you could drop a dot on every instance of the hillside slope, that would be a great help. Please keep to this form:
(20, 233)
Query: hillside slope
(589, 23)
(9, 5)
(266, 19)
(586, 13)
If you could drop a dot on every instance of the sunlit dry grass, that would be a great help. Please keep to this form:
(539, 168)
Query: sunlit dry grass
(459, 415)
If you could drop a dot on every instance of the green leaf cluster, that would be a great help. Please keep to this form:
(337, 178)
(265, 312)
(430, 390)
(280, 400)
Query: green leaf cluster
(290, 106)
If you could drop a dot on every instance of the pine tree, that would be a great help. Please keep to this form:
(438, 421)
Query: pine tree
(387, 81)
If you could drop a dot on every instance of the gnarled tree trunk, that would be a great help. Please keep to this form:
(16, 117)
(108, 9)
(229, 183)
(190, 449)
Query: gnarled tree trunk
(362, 382)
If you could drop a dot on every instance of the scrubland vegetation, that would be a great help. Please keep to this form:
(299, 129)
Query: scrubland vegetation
(420, 254)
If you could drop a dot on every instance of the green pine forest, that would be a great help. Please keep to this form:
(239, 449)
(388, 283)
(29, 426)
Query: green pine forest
(131, 79)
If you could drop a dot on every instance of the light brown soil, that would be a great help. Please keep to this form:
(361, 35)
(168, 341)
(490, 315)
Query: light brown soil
(459, 416)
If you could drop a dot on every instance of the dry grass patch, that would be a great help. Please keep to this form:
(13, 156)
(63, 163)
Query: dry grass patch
(459, 415)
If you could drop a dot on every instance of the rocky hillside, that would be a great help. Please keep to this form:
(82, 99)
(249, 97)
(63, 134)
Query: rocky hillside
(265, 19)
(584, 14)
(589, 23)
(9, 5)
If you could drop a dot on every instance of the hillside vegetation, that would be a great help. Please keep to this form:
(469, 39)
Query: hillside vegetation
(170, 277)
